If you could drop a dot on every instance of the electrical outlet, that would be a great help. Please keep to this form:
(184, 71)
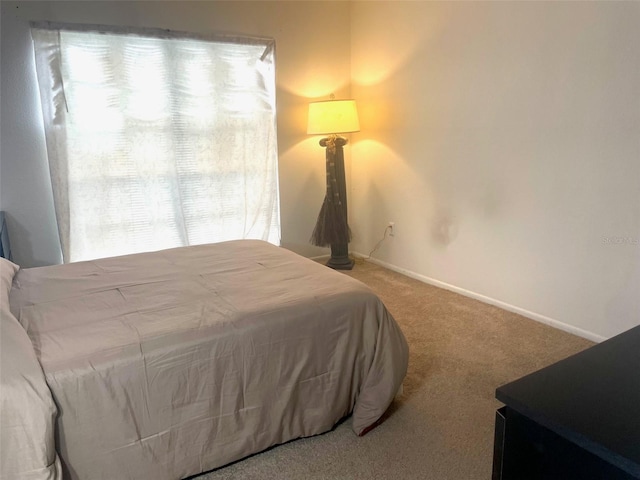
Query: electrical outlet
(392, 228)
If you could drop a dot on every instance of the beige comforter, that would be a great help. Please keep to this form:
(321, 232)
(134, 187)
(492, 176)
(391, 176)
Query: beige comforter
(166, 364)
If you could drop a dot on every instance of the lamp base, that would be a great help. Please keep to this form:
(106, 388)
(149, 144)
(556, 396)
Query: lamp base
(340, 257)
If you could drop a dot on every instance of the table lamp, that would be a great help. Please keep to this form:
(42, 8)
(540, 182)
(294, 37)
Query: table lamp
(332, 117)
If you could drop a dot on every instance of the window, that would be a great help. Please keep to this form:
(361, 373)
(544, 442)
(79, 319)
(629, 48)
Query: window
(157, 139)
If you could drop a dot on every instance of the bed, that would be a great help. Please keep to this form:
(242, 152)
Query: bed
(163, 365)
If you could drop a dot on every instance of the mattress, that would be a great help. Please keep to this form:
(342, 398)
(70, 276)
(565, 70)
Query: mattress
(163, 365)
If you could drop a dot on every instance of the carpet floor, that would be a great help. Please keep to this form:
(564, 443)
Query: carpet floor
(442, 425)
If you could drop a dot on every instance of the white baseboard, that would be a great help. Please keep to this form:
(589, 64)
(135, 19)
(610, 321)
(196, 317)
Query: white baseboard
(320, 258)
(491, 301)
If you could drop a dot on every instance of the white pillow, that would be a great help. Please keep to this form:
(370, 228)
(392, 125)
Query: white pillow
(7, 272)
(27, 410)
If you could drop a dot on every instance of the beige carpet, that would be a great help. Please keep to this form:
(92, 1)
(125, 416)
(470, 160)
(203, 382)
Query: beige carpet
(442, 425)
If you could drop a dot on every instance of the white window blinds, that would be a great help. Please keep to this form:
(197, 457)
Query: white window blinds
(157, 139)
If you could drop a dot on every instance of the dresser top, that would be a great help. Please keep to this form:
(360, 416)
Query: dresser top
(591, 398)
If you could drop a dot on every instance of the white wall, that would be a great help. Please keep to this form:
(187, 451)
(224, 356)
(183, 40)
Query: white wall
(503, 138)
(312, 56)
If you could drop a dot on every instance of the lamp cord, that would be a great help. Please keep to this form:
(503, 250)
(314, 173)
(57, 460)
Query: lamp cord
(364, 259)
(384, 236)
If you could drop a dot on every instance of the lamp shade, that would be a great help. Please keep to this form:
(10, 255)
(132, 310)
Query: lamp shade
(333, 116)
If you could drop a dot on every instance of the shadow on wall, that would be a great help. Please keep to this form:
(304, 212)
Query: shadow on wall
(23, 251)
(444, 227)
(298, 226)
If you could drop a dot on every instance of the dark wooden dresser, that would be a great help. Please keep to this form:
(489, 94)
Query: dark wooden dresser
(576, 419)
